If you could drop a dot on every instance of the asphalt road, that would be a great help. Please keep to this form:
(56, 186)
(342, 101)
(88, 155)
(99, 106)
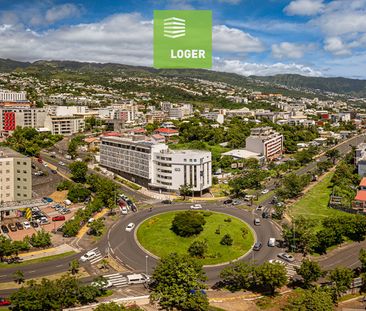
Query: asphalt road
(126, 250)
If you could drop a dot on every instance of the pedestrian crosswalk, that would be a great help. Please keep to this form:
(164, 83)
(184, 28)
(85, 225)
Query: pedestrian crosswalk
(291, 269)
(117, 279)
(98, 256)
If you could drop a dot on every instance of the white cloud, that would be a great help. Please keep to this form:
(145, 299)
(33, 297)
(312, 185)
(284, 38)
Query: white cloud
(304, 7)
(336, 46)
(290, 50)
(60, 12)
(248, 69)
(233, 40)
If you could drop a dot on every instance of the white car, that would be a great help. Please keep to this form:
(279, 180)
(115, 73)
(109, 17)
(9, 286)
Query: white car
(130, 227)
(26, 225)
(264, 191)
(102, 284)
(87, 256)
(124, 210)
(61, 163)
(45, 164)
(277, 261)
(286, 257)
(196, 206)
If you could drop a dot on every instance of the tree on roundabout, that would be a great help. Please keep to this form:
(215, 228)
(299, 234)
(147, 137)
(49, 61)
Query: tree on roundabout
(186, 224)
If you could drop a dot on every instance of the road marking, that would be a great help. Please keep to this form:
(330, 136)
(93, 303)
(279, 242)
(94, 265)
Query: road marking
(32, 271)
(58, 266)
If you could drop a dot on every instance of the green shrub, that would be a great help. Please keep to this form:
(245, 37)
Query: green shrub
(226, 240)
(188, 223)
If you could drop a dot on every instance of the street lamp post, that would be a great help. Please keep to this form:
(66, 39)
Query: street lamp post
(146, 258)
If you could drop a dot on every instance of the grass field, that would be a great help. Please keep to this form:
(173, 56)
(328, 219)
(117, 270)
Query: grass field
(314, 204)
(155, 235)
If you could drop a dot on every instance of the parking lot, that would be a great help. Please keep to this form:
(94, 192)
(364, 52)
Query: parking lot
(48, 218)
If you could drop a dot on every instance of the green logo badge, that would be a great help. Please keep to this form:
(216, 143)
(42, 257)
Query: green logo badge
(182, 39)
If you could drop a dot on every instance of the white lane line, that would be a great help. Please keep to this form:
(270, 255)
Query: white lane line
(32, 271)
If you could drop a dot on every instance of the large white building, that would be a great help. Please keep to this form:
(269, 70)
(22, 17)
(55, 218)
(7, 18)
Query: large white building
(155, 166)
(265, 141)
(15, 176)
(64, 125)
(9, 96)
(360, 159)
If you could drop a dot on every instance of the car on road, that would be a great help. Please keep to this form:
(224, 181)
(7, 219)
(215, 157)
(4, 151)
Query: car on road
(236, 202)
(167, 201)
(271, 242)
(137, 278)
(257, 246)
(4, 302)
(287, 257)
(257, 222)
(259, 207)
(124, 210)
(26, 225)
(130, 227)
(19, 225)
(266, 215)
(12, 227)
(229, 201)
(88, 256)
(277, 261)
(104, 284)
(4, 229)
(58, 218)
(264, 191)
(196, 206)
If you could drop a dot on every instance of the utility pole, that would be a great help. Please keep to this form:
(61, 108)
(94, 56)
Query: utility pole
(146, 258)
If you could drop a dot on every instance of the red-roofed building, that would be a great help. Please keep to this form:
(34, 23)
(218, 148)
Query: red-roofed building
(157, 138)
(137, 131)
(363, 183)
(166, 132)
(112, 134)
(360, 199)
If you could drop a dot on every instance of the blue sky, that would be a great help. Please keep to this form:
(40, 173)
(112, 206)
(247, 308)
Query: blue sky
(309, 37)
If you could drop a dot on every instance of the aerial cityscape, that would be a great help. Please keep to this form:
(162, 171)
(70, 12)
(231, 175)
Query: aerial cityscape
(127, 185)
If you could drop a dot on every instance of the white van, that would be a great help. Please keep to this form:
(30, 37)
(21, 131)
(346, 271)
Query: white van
(67, 202)
(137, 278)
(272, 242)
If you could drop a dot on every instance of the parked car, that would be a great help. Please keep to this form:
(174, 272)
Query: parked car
(236, 202)
(65, 211)
(167, 201)
(257, 246)
(12, 227)
(53, 171)
(130, 227)
(4, 229)
(264, 191)
(124, 210)
(88, 256)
(58, 218)
(26, 225)
(19, 225)
(229, 201)
(102, 284)
(61, 163)
(286, 257)
(133, 208)
(196, 206)
(47, 200)
(277, 261)
(34, 224)
(4, 302)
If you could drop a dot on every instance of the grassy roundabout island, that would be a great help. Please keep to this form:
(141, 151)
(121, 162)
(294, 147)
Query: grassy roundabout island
(156, 235)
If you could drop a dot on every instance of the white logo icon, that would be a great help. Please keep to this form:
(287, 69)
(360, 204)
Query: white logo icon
(174, 27)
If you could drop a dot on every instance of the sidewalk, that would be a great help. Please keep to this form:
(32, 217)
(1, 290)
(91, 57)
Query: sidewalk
(64, 248)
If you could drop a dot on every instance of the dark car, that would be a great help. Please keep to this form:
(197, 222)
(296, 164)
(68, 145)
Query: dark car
(34, 224)
(12, 227)
(257, 246)
(19, 225)
(54, 171)
(266, 215)
(4, 229)
(228, 201)
(167, 202)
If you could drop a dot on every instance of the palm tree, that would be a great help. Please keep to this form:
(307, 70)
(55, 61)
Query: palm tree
(74, 266)
(18, 277)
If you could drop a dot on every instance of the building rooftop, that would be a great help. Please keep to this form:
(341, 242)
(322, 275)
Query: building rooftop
(242, 154)
(6, 152)
(361, 195)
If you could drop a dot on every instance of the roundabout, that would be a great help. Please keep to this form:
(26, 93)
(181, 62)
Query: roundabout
(126, 249)
(156, 236)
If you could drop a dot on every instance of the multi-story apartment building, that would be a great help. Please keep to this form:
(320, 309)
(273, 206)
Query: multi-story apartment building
(174, 168)
(64, 125)
(66, 110)
(9, 96)
(154, 166)
(10, 118)
(265, 141)
(360, 159)
(15, 176)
